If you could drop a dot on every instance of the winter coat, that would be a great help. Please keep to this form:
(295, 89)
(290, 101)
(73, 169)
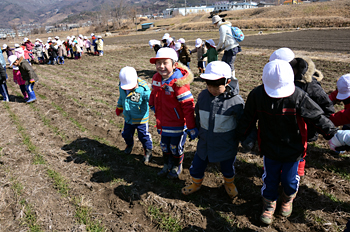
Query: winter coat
(173, 102)
(38, 50)
(200, 52)
(52, 51)
(99, 43)
(60, 51)
(29, 45)
(226, 40)
(307, 78)
(135, 104)
(8, 51)
(282, 131)
(80, 42)
(217, 118)
(2, 60)
(27, 71)
(19, 52)
(87, 43)
(341, 118)
(212, 54)
(26, 54)
(184, 55)
(17, 77)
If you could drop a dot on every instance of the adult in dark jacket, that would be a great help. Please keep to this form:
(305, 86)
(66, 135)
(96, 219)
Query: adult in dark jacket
(3, 86)
(28, 75)
(281, 110)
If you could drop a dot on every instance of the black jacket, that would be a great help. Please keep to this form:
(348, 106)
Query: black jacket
(282, 131)
(2, 75)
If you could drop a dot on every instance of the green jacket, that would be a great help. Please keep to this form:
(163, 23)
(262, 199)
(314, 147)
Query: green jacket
(212, 54)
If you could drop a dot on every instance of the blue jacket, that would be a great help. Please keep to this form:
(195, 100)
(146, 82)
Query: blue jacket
(135, 104)
(2, 59)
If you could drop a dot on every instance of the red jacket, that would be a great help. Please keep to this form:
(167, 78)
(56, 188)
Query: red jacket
(341, 117)
(173, 102)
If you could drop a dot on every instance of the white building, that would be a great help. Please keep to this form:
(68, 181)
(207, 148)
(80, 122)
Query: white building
(187, 10)
(226, 5)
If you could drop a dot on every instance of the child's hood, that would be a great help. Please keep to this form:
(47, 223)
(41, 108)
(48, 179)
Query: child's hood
(187, 75)
(310, 72)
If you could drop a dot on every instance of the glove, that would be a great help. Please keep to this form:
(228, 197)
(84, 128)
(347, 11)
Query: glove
(32, 81)
(153, 108)
(338, 140)
(248, 144)
(118, 111)
(193, 133)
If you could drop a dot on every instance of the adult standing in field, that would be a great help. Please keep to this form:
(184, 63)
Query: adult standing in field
(228, 43)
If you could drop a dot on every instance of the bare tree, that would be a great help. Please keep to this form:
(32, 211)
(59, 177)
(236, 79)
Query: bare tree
(120, 12)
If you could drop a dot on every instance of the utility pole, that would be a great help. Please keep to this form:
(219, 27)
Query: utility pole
(185, 8)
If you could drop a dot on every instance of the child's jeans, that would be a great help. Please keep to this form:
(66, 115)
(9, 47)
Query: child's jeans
(100, 52)
(276, 172)
(61, 60)
(173, 145)
(198, 167)
(142, 132)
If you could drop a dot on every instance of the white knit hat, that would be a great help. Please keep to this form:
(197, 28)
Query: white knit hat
(278, 79)
(216, 70)
(128, 78)
(283, 54)
(343, 86)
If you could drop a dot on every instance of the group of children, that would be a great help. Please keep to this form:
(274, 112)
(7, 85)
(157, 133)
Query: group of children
(206, 51)
(53, 52)
(290, 107)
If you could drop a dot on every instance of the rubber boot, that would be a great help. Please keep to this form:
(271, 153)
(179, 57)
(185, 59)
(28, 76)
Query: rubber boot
(287, 204)
(230, 187)
(167, 164)
(148, 155)
(268, 211)
(194, 187)
(176, 169)
(32, 97)
(301, 168)
(128, 149)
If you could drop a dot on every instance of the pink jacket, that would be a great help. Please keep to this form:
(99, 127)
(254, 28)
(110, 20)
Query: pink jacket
(26, 54)
(17, 77)
(19, 52)
(87, 43)
(29, 45)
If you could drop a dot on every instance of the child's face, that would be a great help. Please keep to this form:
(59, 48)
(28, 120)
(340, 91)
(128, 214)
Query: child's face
(16, 63)
(165, 67)
(217, 90)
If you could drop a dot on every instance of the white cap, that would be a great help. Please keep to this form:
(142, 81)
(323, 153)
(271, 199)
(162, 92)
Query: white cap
(343, 86)
(169, 40)
(198, 43)
(92, 34)
(16, 45)
(128, 78)
(81, 36)
(181, 40)
(68, 37)
(36, 43)
(49, 38)
(211, 42)
(278, 79)
(73, 36)
(166, 36)
(40, 41)
(164, 53)
(25, 39)
(85, 37)
(99, 37)
(37, 39)
(12, 59)
(56, 37)
(4, 46)
(177, 46)
(153, 42)
(282, 54)
(216, 70)
(14, 67)
(215, 19)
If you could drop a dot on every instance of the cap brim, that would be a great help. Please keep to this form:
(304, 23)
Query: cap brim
(128, 86)
(212, 77)
(154, 59)
(284, 91)
(342, 96)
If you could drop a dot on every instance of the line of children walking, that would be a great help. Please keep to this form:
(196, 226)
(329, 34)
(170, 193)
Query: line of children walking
(220, 120)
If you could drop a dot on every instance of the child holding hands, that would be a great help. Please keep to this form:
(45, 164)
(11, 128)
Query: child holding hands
(173, 103)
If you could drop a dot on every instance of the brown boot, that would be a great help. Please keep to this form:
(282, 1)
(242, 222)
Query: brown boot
(268, 211)
(230, 187)
(287, 204)
(195, 186)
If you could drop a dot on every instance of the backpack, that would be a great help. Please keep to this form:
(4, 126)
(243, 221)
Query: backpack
(237, 34)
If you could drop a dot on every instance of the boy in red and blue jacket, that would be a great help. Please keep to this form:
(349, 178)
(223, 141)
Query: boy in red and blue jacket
(173, 104)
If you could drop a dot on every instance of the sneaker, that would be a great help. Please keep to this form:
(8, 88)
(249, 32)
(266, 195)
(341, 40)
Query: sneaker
(148, 156)
(164, 170)
(128, 149)
(175, 172)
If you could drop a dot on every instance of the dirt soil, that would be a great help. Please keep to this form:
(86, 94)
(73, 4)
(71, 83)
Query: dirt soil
(62, 166)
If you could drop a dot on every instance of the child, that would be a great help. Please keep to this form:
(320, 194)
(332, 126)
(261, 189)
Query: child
(3, 87)
(17, 78)
(184, 53)
(99, 43)
(19, 52)
(81, 43)
(27, 54)
(60, 53)
(8, 50)
(165, 38)
(28, 75)
(281, 110)
(173, 103)
(201, 50)
(170, 43)
(38, 51)
(87, 44)
(155, 44)
(133, 103)
(29, 47)
(93, 39)
(212, 54)
(217, 141)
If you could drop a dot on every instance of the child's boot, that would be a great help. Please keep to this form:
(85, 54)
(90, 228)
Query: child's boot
(176, 169)
(32, 97)
(148, 155)
(287, 204)
(128, 149)
(230, 187)
(268, 211)
(167, 165)
(195, 186)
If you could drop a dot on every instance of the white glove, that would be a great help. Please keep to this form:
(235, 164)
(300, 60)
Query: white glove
(341, 138)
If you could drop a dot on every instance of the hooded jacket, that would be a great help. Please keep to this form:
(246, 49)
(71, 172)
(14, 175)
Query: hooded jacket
(173, 102)
(308, 78)
(184, 55)
(217, 118)
(27, 71)
(38, 50)
(282, 131)
(19, 52)
(226, 40)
